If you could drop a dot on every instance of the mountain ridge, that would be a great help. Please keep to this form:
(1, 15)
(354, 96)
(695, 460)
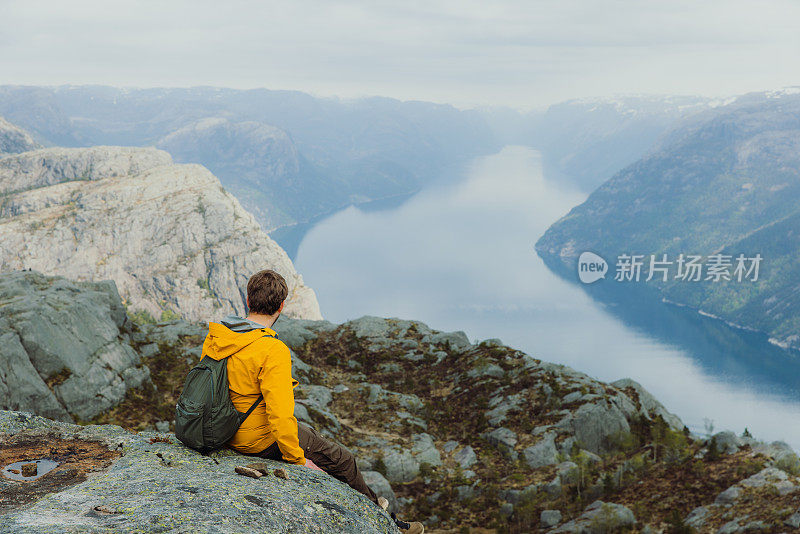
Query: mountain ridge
(738, 164)
(350, 151)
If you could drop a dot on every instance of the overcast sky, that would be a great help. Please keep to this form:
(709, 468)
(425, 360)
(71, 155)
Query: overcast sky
(524, 53)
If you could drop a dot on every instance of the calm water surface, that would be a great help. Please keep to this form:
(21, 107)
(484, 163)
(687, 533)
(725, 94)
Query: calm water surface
(460, 256)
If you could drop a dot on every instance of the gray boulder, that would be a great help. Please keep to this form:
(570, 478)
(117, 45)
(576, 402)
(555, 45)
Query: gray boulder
(793, 520)
(457, 341)
(553, 488)
(774, 450)
(466, 457)
(541, 453)
(600, 518)
(728, 496)
(297, 332)
(425, 450)
(650, 406)
(727, 442)
(697, 517)
(769, 476)
(568, 472)
(549, 518)
(492, 370)
(401, 466)
(64, 350)
(504, 439)
(500, 406)
(171, 333)
(370, 326)
(301, 370)
(594, 424)
(317, 396)
(450, 446)
(315, 400)
(301, 414)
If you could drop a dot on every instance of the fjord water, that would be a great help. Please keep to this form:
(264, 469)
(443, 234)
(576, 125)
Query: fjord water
(459, 256)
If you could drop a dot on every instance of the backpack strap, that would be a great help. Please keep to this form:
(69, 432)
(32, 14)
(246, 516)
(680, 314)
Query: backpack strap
(260, 395)
(253, 407)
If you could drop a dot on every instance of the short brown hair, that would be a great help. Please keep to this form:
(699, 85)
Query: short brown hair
(266, 290)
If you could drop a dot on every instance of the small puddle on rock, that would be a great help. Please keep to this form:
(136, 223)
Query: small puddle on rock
(46, 463)
(29, 469)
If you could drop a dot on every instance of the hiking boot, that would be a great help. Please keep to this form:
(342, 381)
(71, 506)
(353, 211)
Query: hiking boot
(383, 503)
(415, 527)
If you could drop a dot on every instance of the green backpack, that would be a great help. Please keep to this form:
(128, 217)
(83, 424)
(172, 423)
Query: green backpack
(205, 417)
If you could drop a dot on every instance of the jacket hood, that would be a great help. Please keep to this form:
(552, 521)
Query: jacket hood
(239, 324)
(231, 335)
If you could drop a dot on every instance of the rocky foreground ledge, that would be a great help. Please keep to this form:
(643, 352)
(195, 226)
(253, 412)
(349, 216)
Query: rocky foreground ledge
(457, 434)
(157, 485)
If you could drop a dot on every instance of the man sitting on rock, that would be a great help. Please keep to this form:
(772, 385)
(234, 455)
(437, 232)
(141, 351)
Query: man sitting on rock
(259, 363)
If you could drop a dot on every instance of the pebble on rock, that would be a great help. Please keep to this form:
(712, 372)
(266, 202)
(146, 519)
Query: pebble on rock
(29, 470)
(261, 467)
(246, 471)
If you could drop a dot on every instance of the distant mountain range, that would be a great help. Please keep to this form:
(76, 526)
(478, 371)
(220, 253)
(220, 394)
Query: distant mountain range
(288, 156)
(727, 181)
(584, 142)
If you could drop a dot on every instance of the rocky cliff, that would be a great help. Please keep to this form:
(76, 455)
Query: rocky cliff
(13, 139)
(452, 432)
(174, 241)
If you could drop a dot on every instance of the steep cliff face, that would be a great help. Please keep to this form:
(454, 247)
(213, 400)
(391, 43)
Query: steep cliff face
(13, 139)
(170, 236)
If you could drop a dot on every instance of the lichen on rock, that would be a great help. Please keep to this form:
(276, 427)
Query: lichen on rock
(160, 486)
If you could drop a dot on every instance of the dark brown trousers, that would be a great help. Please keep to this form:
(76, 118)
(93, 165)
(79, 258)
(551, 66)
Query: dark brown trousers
(330, 457)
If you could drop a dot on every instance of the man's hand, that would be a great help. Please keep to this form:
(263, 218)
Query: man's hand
(312, 465)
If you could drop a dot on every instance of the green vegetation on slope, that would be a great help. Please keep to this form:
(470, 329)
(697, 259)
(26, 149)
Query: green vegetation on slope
(726, 182)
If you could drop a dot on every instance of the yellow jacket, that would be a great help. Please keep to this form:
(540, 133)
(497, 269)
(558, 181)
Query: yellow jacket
(258, 364)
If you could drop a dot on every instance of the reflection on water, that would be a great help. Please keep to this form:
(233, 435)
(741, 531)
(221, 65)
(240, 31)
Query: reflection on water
(460, 257)
(290, 237)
